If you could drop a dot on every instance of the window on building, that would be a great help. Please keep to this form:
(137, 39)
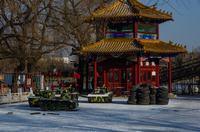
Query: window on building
(123, 76)
(153, 78)
(147, 63)
(141, 63)
(119, 31)
(129, 76)
(116, 76)
(144, 76)
(146, 28)
(110, 76)
(127, 27)
(153, 63)
(149, 76)
(147, 32)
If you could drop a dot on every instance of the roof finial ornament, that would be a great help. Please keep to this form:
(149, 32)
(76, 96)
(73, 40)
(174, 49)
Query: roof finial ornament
(185, 46)
(171, 14)
(170, 42)
(154, 7)
(164, 11)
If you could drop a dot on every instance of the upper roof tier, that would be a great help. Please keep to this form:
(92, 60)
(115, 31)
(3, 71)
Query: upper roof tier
(130, 8)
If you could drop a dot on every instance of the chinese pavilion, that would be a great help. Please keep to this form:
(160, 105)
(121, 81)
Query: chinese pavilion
(128, 48)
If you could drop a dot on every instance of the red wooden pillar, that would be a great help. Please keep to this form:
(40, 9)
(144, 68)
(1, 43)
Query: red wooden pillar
(157, 74)
(170, 76)
(104, 73)
(157, 31)
(87, 71)
(104, 30)
(136, 73)
(132, 75)
(95, 72)
(136, 29)
(139, 68)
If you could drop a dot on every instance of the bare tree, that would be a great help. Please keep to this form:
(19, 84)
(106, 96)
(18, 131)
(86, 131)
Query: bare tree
(29, 29)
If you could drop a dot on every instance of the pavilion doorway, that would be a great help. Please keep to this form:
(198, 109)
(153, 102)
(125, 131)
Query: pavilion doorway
(119, 79)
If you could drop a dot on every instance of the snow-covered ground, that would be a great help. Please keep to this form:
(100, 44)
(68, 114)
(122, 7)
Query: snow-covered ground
(182, 114)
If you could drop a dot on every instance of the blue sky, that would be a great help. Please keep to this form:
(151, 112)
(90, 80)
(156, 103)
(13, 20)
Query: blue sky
(186, 27)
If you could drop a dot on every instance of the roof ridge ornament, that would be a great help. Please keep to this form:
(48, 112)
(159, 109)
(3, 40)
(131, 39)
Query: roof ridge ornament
(170, 42)
(154, 7)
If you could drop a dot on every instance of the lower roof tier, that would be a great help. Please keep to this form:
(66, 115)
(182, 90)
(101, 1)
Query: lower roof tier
(107, 46)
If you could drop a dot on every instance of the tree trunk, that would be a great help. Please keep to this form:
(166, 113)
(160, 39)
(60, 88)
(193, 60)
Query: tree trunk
(81, 72)
(31, 66)
(31, 69)
(17, 72)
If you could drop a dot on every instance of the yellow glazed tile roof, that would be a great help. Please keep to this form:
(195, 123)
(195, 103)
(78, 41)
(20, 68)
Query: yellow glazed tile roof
(113, 46)
(158, 46)
(117, 9)
(132, 45)
(131, 8)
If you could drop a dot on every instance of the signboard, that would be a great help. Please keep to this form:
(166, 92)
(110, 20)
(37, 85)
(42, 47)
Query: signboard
(153, 73)
(28, 82)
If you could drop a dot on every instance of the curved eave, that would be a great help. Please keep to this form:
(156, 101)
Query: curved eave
(128, 46)
(92, 18)
(157, 46)
(125, 52)
(156, 18)
(167, 52)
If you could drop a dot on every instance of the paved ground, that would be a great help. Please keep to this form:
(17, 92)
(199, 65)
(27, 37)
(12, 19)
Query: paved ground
(182, 114)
